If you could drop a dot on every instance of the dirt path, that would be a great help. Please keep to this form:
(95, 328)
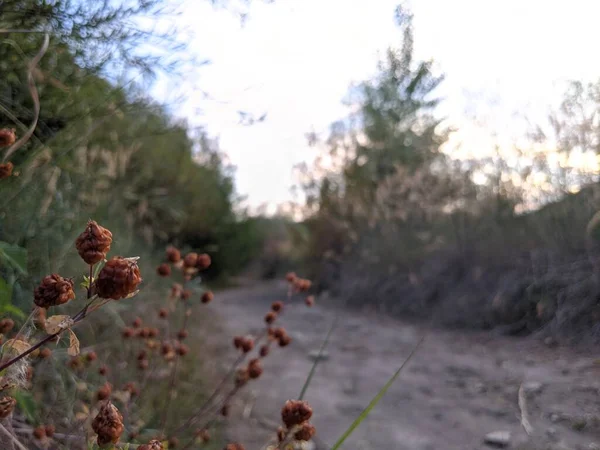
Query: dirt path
(459, 387)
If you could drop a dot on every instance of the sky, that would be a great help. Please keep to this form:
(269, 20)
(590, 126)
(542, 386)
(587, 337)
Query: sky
(506, 64)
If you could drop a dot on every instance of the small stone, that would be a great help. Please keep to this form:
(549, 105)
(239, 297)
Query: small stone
(533, 387)
(499, 439)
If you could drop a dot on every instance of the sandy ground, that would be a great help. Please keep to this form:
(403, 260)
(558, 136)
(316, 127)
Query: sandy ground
(457, 388)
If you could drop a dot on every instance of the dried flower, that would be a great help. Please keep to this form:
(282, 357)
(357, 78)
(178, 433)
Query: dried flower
(207, 297)
(306, 432)
(118, 278)
(152, 445)
(108, 424)
(203, 261)
(104, 391)
(225, 410)
(284, 340)
(7, 137)
(190, 260)
(6, 170)
(53, 290)
(7, 406)
(39, 432)
(270, 317)
(164, 270)
(142, 355)
(277, 306)
(173, 254)
(50, 429)
(310, 300)
(6, 325)
(153, 332)
(279, 332)
(203, 435)
(247, 345)
(94, 243)
(182, 334)
(295, 412)
(255, 369)
(237, 341)
(163, 313)
(264, 351)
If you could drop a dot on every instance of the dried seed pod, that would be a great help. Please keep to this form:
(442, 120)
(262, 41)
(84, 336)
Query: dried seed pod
(143, 364)
(203, 435)
(108, 424)
(164, 270)
(142, 355)
(237, 341)
(7, 406)
(91, 356)
(93, 243)
(104, 391)
(6, 170)
(153, 332)
(45, 353)
(182, 334)
(53, 290)
(39, 432)
(284, 340)
(118, 278)
(295, 412)
(163, 313)
(190, 260)
(182, 350)
(137, 323)
(50, 430)
(173, 254)
(277, 306)
(279, 332)
(241, 377)
(235, 446)
(281, 434)
(255, 369)
(264, 351)
(6, 325)
(103, 370)
(290, 277)
(310, 300)
(7, 137)
(270, 317)
(247, 345)
(152, 445)
(225, 409)
(203, 261)
(207, 297)
(127, 332)
(306, 432)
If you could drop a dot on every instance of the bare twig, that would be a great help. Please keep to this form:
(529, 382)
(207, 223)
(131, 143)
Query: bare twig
(13, 439)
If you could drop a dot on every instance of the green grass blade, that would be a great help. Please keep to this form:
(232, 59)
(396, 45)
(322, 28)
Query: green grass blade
(363, 415)
(318, 358)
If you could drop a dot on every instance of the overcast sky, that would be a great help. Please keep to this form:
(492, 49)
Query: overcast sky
(504, 60)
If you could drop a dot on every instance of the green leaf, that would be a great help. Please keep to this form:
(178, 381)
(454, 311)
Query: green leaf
(318, 358)
(5, 292)
(12, 309)
(13, 256)
(363, 415)
(26, 405)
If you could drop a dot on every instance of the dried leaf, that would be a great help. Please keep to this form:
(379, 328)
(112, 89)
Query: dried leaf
(17, 345)
(73, 344)
(57, 323)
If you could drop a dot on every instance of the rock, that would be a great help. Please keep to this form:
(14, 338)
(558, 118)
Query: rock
(314, 355)
(533, 387)
(499, 439)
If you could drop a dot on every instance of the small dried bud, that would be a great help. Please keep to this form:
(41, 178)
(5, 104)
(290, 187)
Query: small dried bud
(163, 313)
(284, 340)
(203, 435)
(203, 261)
(94, 243)
(173, 442)
(45, 353)
(7, 406)
(75, 363)
(190, 260)
(153, 332)
(290, 277)
(50, 429)
(310, 300)
(182, 334)
(143, 364)
(279, 332)
(152, 445)
(7, 137)
(207, 297)
(173, 255)
(108, 424)
(182, 350)
(225, 410)
(185, 295)
(306, 432)
(91, 356)
(264, 351)
(127, 332)
(132, 389)
(6, 170)
(6, 325)
(166, 348)
(39, 432)
(118, 278)
(270, 317)
(137, 322)
(53, 290)
(255, 369)
(164, 270)
(104, 391)
(103, 370)
(241, 377)
(295, 412)
(237, 341)
(247, 345)
(142, 355)
(235, 446)
(277, 306)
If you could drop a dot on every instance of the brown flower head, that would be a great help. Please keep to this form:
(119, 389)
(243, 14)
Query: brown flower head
(94, 243)
(190, 260)
(7, 406)
(108, 424)
(203, 261)
(6, 325)
(173, 254)
(182, 350)
(39, 432)
(264, 351)
(247, 345)
(295, 412)
(118, 278)
(279, 332)
(50, 429)
(306, 432)
(182, 334)
(310, 300)
(164, 270)
(6, 170)
(207, 297)
(104, 391)
(270, 317)
(277, 306)
(152, 445)
(255, 369)
(7, 137)
(153, 332)
(290, 277)
(166, 348)
(235, 446)
(53, 290)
